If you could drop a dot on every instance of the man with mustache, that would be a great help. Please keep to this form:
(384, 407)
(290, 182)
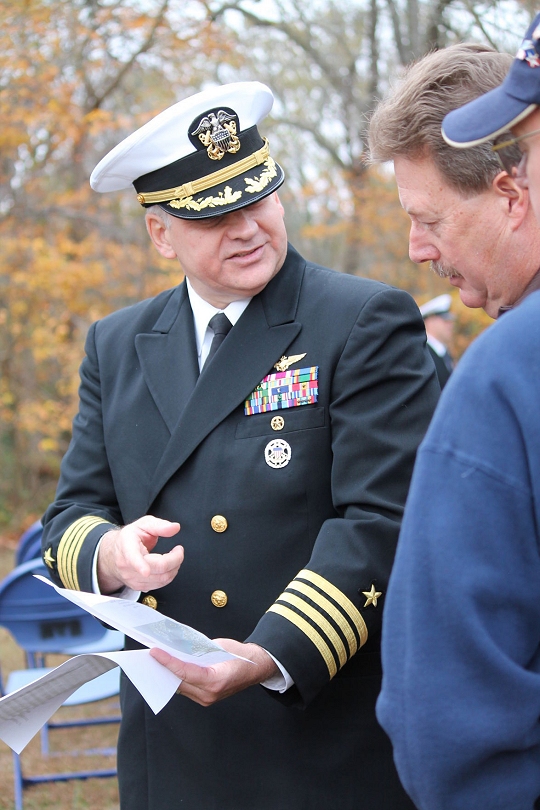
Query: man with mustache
(461, 635)
(469, 218)
(269, 410)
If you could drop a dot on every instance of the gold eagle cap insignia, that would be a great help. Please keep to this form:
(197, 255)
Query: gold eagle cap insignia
(284, 362)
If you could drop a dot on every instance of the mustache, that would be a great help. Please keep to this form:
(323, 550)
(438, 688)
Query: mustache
(444, 270)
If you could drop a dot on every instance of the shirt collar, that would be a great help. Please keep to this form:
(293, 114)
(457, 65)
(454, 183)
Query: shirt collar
(203, 311)
(436, 345)
(532, 286)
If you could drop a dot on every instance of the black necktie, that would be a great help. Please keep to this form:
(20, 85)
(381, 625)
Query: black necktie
(221, 327)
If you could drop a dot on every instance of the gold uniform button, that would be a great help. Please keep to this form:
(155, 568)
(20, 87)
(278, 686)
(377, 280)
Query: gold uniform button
(219, 599)
(219, 523)
(277, 423)
(150, 601)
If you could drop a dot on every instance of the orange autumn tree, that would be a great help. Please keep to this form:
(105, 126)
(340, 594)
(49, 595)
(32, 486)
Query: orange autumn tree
(328, 63)
(76, 76)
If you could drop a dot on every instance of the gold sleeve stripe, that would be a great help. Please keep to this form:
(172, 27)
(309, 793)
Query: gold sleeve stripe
(310, 632)
(331, 609)
(341, 599)
(316, 617)
(70, 546)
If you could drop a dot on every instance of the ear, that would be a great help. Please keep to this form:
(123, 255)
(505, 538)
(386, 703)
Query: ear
(159, 234)
(279, 204)
(515, 198)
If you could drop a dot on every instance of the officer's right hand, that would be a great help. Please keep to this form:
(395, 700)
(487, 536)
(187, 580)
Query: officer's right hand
(125, 558)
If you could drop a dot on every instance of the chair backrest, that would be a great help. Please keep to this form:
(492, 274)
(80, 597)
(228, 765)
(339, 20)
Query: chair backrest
(29, 545)
(39, 618)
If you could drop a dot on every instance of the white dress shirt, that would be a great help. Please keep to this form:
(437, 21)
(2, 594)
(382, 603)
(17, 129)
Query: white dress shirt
(202, 313)
(436, 345)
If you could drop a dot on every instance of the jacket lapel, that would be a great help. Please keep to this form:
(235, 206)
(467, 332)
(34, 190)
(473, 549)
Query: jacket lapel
(168, 357)
(257, 341)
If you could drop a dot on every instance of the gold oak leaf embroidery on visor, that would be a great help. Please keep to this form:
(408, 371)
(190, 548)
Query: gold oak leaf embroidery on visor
(228, 196)
(255, 184)
(225, 197)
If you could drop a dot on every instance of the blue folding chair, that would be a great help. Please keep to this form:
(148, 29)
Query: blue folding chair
(41, 622)
(101, 688)
(29, 545)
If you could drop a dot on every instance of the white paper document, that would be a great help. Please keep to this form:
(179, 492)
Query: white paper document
(25, 711)
(148, 626)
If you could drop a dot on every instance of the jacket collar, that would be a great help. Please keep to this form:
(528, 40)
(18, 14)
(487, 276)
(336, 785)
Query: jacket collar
(193, 407)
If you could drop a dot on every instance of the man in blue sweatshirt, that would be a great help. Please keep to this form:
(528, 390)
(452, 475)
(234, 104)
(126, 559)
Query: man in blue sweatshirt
(461, 631)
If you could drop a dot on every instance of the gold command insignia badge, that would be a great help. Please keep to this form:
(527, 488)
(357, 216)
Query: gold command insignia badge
(217, 131)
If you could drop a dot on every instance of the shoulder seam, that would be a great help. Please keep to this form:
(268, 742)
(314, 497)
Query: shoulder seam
(471, 461)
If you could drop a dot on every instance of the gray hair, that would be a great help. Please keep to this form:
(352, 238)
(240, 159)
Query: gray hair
(161, 213)
(407, 123)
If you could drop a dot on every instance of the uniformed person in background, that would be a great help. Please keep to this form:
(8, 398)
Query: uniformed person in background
(273, 409)
(439, 323)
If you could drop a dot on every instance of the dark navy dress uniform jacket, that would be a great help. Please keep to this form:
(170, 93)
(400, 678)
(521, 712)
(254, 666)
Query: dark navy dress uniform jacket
(303, 542)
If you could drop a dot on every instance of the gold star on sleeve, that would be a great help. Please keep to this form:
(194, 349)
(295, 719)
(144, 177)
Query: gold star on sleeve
(372, 596)
(48, 557)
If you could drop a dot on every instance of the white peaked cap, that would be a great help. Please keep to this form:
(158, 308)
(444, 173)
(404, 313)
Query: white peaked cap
(164, 139)
(437, 306)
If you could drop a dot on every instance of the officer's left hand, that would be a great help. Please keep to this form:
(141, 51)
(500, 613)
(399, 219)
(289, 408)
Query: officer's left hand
(207, 685)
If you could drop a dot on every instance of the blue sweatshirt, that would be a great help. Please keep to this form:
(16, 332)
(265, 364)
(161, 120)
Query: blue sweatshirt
(461, 628)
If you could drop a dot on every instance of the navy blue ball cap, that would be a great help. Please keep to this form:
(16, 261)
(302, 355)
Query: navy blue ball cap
(495, 112)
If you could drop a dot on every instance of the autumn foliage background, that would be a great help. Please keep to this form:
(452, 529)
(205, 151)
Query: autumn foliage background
(77, 76)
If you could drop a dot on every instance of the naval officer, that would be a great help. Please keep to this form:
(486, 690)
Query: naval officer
(439, 323)
(271, 408)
